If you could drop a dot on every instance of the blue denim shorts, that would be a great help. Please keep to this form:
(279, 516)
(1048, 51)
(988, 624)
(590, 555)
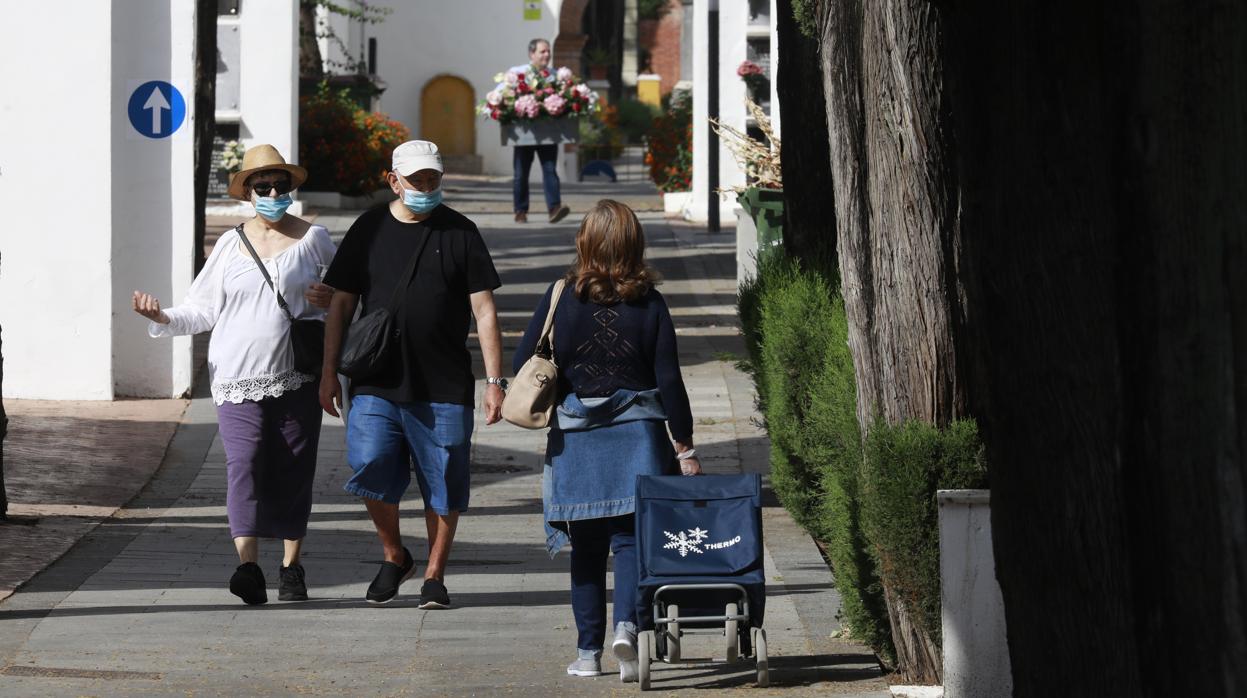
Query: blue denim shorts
(383, 437)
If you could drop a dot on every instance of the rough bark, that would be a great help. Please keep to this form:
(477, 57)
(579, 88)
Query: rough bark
(809, 208)
(311, 65)
(896, 220)
(1105, 209)
(205, 114)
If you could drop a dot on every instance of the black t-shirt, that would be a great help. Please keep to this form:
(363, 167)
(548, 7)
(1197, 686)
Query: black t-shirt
(434, 364)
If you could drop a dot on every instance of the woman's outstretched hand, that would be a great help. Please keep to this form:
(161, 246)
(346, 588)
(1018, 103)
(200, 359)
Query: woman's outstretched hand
(318, 295)
(145, 304)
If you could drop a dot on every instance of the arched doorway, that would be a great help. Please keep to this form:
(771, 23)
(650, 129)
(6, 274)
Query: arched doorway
(448, 118)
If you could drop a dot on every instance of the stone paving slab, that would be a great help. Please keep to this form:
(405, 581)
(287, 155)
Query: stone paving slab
(70, 465)
(140, 605)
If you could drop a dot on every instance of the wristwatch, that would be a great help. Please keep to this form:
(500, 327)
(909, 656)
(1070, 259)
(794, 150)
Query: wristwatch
(500, 382)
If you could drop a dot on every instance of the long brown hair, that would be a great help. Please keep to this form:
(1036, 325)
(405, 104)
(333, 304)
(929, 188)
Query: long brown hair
(610, 256)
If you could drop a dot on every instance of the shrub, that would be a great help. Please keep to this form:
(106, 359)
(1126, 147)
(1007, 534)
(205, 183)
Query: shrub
(345, 148)
(670, 152)
(796, 335)
(636, 118)
(905, 464)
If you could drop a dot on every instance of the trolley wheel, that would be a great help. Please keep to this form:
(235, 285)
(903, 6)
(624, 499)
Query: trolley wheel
(645, 646)
(764, 665)
(673, 634)
(730, 632)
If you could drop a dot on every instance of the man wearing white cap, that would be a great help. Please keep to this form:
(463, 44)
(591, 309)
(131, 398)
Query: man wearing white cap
(429, 265)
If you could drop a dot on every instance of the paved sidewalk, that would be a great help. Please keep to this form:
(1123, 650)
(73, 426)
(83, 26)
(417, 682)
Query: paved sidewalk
(140, 605)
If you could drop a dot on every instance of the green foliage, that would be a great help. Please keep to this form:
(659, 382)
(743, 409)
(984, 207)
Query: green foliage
(805, 12)
(344, 148)
(796, 335)
(636, 118)
(651, 9)
(905, 464)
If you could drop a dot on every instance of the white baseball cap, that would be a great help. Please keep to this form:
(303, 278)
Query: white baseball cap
(413, 156)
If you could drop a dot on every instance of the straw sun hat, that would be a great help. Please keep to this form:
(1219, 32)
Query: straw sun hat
(257, 159)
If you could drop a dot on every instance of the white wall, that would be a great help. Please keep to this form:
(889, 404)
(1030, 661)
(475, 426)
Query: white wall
(475, 40)
(733, 20)
(55, 244)
(153, 195)
(72, 256)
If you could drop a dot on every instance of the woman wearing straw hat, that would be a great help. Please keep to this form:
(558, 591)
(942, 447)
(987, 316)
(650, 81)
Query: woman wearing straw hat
(268, 412)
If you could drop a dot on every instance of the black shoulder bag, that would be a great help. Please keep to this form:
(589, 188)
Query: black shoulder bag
(307, 336)
(371, 339)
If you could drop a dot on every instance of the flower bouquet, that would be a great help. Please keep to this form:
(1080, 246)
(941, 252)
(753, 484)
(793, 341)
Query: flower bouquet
(536, 107)
(755, 80)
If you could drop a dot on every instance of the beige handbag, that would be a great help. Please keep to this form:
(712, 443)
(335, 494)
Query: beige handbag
(530, 401)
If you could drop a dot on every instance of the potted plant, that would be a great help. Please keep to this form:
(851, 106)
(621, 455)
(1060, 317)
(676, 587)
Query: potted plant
(670, 153)
(763, 198)
(539, 107)
(599, 59)
(756, 83)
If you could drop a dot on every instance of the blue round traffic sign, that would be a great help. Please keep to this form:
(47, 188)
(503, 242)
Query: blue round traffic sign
(156, 109)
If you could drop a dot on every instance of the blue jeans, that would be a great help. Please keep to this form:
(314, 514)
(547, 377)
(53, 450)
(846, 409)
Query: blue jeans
(523, 161)
(592, 540)
(383, 438)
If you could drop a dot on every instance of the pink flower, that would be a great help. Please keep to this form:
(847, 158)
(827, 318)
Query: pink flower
(749, 68)
(513, 79)
(554, 104)
(493, 99)
(527, 107)
(564, 74)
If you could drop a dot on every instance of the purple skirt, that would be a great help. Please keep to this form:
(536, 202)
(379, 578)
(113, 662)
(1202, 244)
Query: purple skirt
(270, 462)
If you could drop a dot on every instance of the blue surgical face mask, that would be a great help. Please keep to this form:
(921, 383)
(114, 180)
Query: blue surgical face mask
(422, 202)
(272, 208)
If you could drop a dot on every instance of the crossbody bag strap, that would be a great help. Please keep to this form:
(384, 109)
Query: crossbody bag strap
(264, 270)
(547, 331)
(409, 274)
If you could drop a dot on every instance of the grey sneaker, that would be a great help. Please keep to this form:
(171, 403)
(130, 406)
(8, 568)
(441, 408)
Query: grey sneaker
(624, 646)
(628, 670)
(585, 667)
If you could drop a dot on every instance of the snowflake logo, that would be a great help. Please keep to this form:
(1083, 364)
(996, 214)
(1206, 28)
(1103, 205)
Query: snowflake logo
(686, 541)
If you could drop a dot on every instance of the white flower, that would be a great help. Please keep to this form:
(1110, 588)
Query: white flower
(499, 77)
(512, 79)
(564, 74)
(494, 98)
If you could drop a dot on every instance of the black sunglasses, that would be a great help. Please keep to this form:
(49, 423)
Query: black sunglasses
(263, 188)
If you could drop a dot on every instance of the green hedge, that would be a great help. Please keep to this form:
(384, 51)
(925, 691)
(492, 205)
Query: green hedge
(797, 338)
(872, 505)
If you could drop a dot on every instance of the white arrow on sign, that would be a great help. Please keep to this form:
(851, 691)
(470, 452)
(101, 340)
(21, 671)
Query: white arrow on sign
(156, 102)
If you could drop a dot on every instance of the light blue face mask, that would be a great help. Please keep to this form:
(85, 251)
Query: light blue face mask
(272, 208)
(422, 202)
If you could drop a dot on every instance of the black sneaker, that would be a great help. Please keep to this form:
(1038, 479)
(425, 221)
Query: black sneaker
(248, 584)
(433, 595)
(291, 586)
(385, 586)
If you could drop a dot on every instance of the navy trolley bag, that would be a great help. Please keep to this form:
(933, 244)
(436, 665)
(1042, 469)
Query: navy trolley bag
(699, 550)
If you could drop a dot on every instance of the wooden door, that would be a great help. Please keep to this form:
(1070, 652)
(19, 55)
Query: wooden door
(447, 115)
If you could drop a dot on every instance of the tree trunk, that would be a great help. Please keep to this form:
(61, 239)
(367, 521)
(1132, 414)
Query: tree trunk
(311, 65)
(897, 231)
(1104, 205)
(809, 209)
(205, 114)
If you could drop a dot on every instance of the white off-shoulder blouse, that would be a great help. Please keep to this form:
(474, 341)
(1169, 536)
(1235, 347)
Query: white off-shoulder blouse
(249, 355)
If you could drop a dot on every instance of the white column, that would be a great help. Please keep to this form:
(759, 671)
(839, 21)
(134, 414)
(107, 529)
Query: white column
(733, 19)
(55, 244)
(270, 78)
(152, 194)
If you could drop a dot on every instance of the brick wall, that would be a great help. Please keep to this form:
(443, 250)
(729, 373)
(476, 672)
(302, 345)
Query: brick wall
(665, 51)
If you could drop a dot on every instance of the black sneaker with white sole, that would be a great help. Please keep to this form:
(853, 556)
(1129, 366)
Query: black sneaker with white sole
(290, 585)
(385, 586)
(433, 595)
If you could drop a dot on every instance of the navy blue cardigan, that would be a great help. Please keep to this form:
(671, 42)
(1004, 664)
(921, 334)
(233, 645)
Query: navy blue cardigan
(603, 348)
